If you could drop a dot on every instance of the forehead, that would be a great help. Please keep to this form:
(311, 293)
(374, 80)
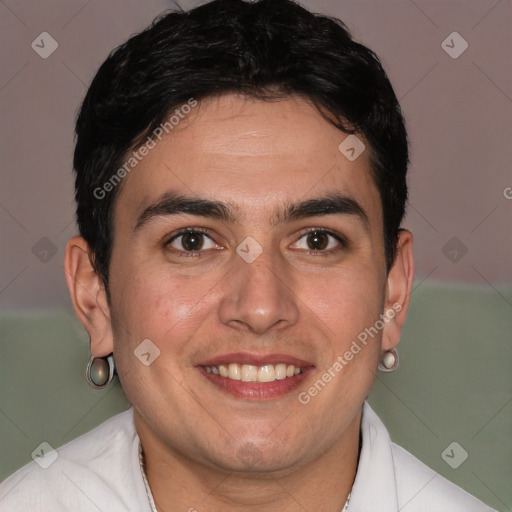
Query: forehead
(249, 153)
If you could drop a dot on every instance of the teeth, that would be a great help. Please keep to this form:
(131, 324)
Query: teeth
(267, 373)
(280, 371)
(249, 373)
(234, 372)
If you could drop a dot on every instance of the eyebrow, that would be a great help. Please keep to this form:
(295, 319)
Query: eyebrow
(175, 204)
(329, 204)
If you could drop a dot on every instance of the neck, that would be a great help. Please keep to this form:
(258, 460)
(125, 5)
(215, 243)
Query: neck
(179, 483)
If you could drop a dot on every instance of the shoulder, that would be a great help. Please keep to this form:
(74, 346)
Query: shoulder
(389, 478)
(419, 488)
(85, 474)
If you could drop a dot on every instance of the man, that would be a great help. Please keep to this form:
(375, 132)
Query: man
(241, 181)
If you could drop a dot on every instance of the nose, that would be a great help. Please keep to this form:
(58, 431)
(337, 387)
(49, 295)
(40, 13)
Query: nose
(259, 295)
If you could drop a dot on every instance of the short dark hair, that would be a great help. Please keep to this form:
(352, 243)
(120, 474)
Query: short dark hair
(266, 49)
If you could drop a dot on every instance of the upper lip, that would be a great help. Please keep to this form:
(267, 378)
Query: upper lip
(255, 359)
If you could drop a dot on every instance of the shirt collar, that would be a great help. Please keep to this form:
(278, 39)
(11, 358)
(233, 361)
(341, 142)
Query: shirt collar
(374, 486)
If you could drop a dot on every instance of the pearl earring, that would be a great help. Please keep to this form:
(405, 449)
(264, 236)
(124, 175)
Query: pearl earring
(389, 361)
(100, 371)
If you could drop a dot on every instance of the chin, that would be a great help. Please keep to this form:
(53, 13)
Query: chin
(261, 456)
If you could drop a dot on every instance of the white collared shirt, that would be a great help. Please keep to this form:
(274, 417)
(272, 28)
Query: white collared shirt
(390, 479)
(100, 471)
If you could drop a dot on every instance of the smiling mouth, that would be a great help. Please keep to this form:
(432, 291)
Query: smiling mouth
(256, 377)
(252, 373)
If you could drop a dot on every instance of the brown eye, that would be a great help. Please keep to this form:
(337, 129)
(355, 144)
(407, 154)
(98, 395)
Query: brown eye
(190, 241)
(320, 240)
(317, 241)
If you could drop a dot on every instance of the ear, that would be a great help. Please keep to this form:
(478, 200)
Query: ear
(398, 290)
(89, 296)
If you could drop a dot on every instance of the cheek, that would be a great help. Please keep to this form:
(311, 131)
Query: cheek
(344, 306)
(150, 308)
(157, 305)
(346, 303)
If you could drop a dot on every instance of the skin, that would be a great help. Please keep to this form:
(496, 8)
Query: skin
(204, 448)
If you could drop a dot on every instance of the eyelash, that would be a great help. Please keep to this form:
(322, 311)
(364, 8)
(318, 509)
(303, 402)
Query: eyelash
(195, 254)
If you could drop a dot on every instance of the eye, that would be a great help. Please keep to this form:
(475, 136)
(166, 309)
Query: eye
(191, 240)
(319, 240)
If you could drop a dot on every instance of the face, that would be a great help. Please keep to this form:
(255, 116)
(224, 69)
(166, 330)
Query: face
(246, 239)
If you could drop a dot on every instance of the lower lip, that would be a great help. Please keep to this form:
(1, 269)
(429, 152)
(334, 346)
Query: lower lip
(257, 390)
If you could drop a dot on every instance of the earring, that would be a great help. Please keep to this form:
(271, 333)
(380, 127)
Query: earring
(389, 361)
(100, 371)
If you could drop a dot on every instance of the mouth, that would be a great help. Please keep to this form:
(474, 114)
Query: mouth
(256, 377)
